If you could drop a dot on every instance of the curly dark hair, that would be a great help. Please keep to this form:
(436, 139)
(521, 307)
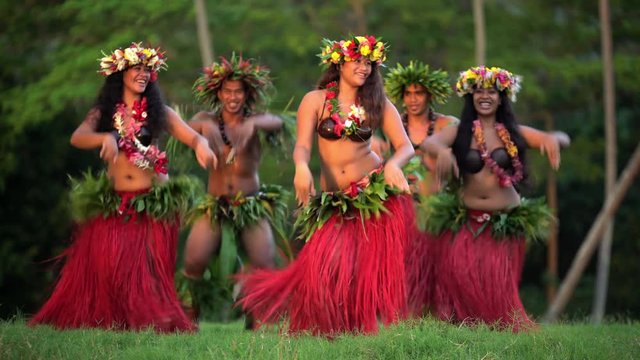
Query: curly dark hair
(111, 94)
(371, 94)
(504, 115)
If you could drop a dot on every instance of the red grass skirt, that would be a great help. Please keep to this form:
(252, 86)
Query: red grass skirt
(425, 292)
(118, 275)
(343, 279)
(479, 277)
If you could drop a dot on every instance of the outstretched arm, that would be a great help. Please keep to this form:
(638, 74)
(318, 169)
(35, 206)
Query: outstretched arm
(267, 122)
(86, 137)
(188, 136)
(393, 129)
(306, 122)
(549, 143)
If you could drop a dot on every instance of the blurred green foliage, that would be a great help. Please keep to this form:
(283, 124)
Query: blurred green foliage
(48, 81)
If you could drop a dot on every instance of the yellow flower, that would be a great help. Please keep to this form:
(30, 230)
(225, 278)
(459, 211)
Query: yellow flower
(345, 45)
(361, 39)
(377, 53)
(365, 50)
(335, 56)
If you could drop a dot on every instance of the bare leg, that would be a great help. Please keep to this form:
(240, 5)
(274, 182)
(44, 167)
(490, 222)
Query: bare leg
(202, 241)
(260, 247)
(259, 244)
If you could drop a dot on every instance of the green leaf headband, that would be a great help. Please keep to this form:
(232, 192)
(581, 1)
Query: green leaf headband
(436, 82)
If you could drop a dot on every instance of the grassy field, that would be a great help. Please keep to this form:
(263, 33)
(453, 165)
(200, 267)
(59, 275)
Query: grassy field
(425, 339)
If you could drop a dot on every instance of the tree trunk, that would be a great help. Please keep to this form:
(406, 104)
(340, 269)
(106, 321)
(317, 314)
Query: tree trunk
(479, 27)
(604, 259)
(588, 246)
(206, 54)
(361, 19)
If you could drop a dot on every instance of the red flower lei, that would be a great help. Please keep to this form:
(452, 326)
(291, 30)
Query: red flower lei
(504, 178)
(144, 157)
(355, 118)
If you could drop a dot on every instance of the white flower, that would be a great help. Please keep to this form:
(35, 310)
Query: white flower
(348, 123)
(131, 56)
(357, 112)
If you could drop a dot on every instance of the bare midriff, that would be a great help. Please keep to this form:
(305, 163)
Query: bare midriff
(483, 192)
(241, 175)
(344, 161)
(126, 176)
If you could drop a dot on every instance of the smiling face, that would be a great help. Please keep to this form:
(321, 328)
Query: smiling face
(136, 78)
(232, 95)
(356, 72)
(486, 101)
(416, 99)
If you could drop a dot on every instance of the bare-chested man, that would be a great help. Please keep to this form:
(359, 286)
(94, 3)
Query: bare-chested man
(234, 207)
(418, 88)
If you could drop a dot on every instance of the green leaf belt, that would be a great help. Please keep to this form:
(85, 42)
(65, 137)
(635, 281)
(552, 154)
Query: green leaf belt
(368, 201)
(445, 211)
(94, 195)
(242, 211)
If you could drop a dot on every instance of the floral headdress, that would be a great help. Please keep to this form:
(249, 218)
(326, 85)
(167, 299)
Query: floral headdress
(352, 49)
(487, 77)
(254, 76)
(133, 55)
(436, 82)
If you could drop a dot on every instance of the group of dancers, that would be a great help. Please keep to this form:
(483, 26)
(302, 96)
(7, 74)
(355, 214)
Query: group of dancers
(367, 258)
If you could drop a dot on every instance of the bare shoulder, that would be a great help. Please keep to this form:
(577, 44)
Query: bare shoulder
(203, 116)
(92, 118)
(446, 120)
(315, 96)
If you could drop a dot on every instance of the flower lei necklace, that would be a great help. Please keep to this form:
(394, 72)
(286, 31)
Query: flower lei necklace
(504, 178)
(144, 157)
(355, 118)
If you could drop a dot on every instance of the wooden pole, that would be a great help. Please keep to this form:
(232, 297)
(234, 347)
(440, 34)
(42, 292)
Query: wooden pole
(604, 258)
(479, 27)
(552, 241)
(206, 54)
(361, 20)
(594, 237)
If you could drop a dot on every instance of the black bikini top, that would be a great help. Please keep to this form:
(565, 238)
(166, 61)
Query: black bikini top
(326, 129)
(473, 161)
(144, 136)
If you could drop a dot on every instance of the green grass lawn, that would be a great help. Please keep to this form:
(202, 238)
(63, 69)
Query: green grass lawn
(425, 339)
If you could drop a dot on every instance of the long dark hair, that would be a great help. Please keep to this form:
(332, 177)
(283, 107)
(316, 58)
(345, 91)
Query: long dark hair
(504, 115)
(371, 93)
(111, 94)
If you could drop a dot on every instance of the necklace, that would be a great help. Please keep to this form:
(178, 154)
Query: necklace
(144, 157)
(223, 133)
(356, 115)
(430, 129)
(504, 178)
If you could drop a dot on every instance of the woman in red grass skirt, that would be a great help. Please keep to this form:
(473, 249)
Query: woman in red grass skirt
(118, 272)
(486, 221)
(419, 88)
(351, 271)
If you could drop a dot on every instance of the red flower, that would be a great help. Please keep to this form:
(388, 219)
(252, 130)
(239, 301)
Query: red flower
(353, 190)
(331, 95)
(371, 39)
